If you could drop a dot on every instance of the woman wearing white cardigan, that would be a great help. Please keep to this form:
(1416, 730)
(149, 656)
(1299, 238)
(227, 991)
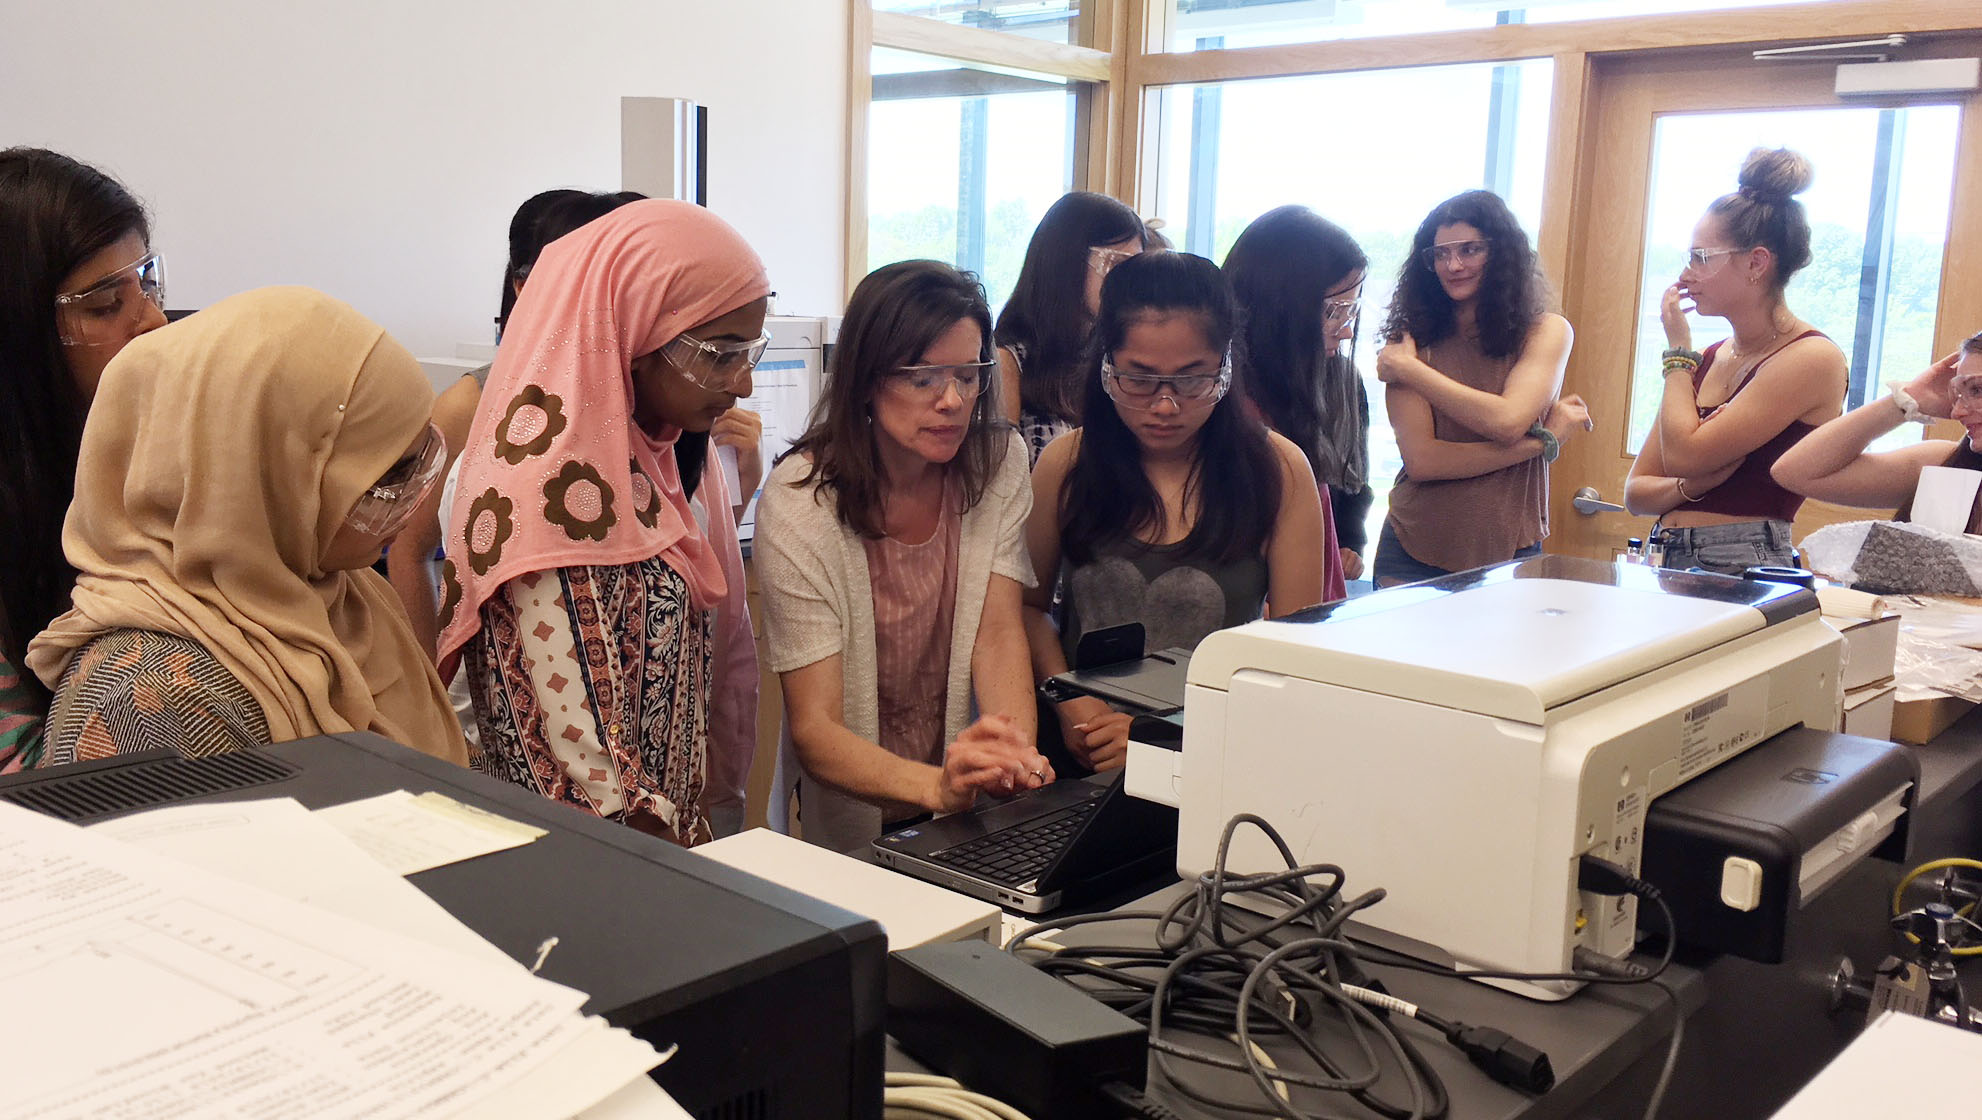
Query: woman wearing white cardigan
(890, 543)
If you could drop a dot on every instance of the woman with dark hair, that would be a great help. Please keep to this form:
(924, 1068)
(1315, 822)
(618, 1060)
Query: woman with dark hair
(1173, 506)
(1299, 281)
(1472, 368)
(1729, 413)
(525, 243)
(581, 590)
(78, 280)
(1042, 331)
(1832, 464)
(891, 539)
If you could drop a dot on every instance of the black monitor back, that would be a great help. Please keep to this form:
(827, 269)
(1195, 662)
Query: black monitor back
(775, 999)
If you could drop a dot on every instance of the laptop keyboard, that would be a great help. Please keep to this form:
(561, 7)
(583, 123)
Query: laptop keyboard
(1018, 854)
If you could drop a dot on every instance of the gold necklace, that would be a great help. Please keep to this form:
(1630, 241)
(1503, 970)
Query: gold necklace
(1767, 348)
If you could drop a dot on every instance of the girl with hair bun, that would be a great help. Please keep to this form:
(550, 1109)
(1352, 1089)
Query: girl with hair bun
(1729, 412)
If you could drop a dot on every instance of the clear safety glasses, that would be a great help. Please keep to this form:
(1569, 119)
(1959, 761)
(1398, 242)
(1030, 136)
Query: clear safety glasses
(1337, 314)
(927, 384)
(1145, 391)
(385, 508)
(108, 311)
(1706, 262)
(1103, 259)
(720, 367)
(1464, 252)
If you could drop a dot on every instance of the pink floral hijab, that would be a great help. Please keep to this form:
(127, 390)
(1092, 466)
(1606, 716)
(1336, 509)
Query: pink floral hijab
(555, 472)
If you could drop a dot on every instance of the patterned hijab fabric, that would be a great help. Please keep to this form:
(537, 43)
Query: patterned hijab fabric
(555, 472)
(221, 457)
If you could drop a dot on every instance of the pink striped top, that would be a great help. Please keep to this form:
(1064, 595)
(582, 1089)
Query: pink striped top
(915, 599)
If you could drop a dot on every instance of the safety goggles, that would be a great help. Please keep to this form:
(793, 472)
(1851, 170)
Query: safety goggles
(1968, 391)
(1706, 262)
(720, 367)
(1339, 313)
(927, 384)
(1145, 391)
(1464, 252)
(1103, 259)
(385, 508)
(106, 312)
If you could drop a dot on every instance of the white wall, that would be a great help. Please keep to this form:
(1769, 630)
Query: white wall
(376, 148)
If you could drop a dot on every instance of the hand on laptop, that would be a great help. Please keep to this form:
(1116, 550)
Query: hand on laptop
(991, 756)
(1094, 733)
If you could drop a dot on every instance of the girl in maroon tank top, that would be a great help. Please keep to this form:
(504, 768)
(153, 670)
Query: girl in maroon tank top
(1728, 414)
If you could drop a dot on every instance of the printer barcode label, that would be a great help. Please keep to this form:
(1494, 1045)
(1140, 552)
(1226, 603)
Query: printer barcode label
(1721, 726)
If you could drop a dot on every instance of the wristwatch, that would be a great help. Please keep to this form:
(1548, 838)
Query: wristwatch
(1551, 447)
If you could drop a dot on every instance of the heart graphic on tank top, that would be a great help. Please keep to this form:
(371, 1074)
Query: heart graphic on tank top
(1177, 608)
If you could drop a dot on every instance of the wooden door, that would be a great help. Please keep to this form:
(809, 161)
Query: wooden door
(1607, 278)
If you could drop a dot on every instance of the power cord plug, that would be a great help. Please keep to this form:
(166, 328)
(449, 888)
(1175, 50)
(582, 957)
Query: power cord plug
(1505, 1058)
(1600, 876)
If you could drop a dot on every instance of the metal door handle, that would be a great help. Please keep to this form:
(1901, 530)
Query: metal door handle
(1589, 503)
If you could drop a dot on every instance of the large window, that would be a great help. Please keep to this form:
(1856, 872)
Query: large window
(1878, 209)
(962, 162)
(1206, 24)
(1373, 151)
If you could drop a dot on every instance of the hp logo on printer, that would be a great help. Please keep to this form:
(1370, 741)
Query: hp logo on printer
(1809, 777)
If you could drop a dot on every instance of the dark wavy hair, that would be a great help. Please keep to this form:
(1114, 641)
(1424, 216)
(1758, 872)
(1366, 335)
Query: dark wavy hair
(55, 213)
(1047, 311)
(1280, 269)
(525, 243)
(1235, 475)
(1513, 292)
(896, 314)
(1763, 210)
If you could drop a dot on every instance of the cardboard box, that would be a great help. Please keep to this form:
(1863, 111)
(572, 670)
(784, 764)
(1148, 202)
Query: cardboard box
(1870, 646)
(1918, 721)
(1868, 711)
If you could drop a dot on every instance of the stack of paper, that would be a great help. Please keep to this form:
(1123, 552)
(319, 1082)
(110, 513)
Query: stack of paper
(910, 911)
(138, 984)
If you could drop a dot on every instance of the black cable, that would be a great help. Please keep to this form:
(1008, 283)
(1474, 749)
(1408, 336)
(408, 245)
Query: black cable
(1134, 1103)
(1222, 971)
(1672, 1048)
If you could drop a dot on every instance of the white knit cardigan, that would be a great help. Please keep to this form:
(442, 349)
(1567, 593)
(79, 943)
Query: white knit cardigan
(819, 601)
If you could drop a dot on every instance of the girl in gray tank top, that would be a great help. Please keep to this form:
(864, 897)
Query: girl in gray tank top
(1173, 507)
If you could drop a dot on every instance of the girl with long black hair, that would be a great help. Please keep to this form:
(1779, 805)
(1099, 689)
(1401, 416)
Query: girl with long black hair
(1042, 331)
(1299, 281)
(78, 280)
(1173, 506)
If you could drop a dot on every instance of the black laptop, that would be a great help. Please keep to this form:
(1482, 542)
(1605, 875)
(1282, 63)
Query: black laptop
(1055, 846)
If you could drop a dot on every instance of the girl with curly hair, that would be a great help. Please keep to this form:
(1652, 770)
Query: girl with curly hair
(1472, 370)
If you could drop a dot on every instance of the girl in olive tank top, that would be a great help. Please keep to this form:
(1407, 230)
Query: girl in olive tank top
(1472, 370)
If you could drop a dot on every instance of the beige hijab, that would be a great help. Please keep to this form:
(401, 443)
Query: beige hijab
(221, 456)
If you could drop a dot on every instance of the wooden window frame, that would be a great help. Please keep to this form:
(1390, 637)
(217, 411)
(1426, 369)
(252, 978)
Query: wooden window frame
(1125, 67)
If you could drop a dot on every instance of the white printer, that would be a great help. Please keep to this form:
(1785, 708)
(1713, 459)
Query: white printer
(1462, 743)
